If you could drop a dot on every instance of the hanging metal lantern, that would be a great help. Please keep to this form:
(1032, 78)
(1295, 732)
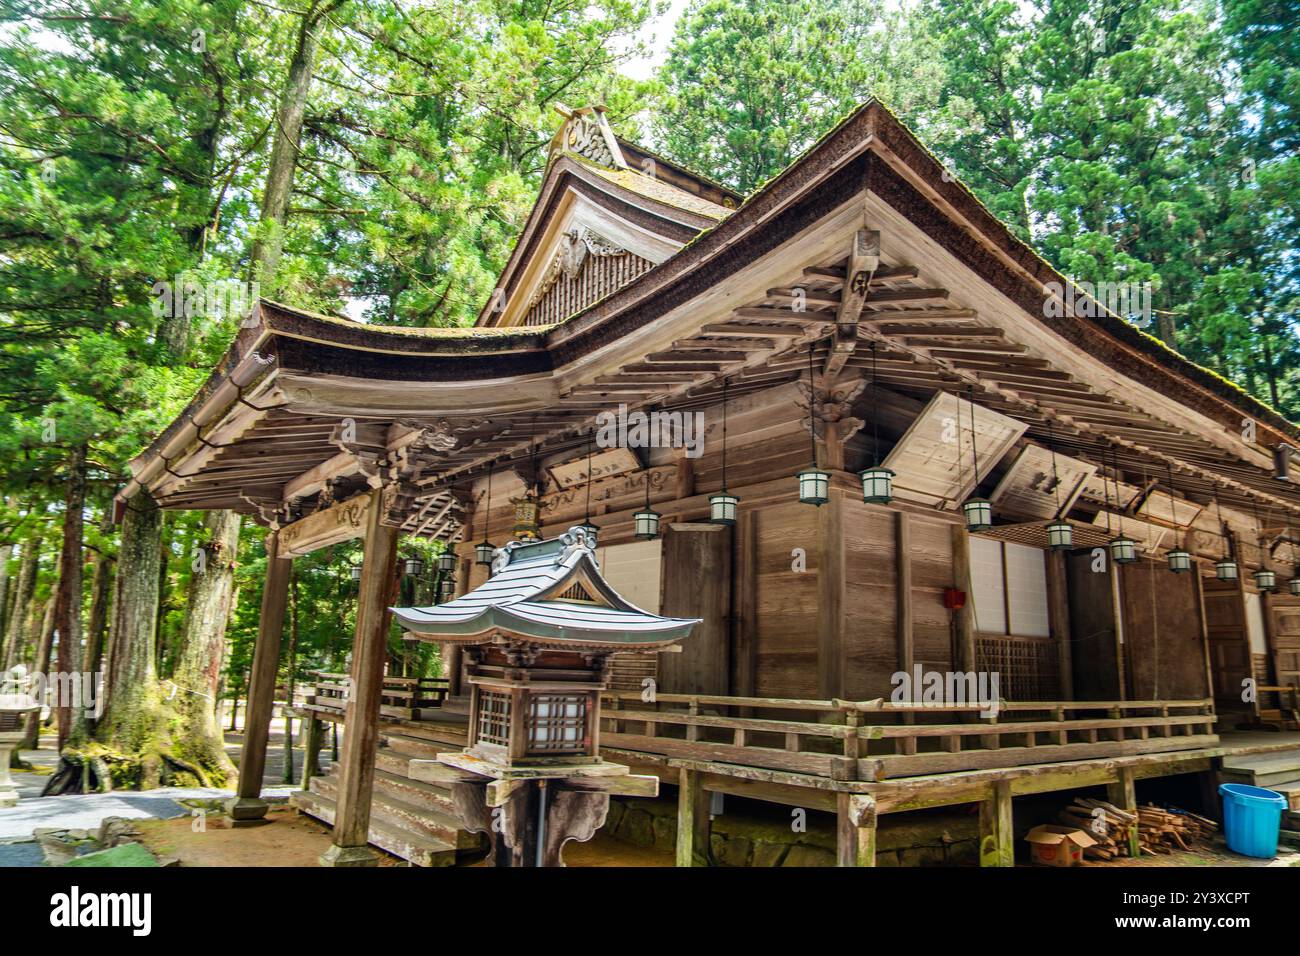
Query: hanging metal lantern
(414, 566)
(1266, 579)
(1060, 535)
(647, 524)
(1294, 586)
(814, 486)
(483, 552)
(446, 589)
(979, 514)
(356, 572)
(877, 485)
(1179, 561)
(1123, 550)
(527, 526)
(722, 508)
(447, 561)
(1225, 570)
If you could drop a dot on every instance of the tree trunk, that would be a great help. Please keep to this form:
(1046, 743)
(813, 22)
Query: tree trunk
(202, 650)
(67, 605)
(42, 667)
(6, 552)
(100, 593)
(132, 711)
(284, 152)
(290, 674)
(23, 590)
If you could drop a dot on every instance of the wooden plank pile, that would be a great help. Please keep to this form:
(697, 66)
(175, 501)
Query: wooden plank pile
(1158, 830)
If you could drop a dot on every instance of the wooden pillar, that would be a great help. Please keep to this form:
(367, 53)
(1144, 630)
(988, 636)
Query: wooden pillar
(830, 610)
(311, 741)
(692, 819)
(744, 604)
(369, 652)
(1123, 794)
(1058, 618)
(248, 806)
(903, 609)
(964, 619)
(996, 827)
(855, 838)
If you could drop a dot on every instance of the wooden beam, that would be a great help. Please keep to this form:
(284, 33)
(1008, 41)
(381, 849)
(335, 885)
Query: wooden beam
(965, 617)
(997, 827)
(1058, 621)
(369, 653)
(1123, 794)
(692, 819)
(830, 609)
(248, 806)
(855, 832)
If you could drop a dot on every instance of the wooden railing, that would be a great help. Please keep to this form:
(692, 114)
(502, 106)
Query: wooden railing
(874, 740)
(403, 697)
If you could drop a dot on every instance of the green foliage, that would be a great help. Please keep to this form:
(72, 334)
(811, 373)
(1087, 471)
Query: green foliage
(1150, 142)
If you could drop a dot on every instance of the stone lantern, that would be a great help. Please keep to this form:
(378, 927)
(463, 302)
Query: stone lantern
(537, 642)
(16, 707)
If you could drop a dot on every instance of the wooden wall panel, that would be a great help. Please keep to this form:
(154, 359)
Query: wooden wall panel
(1164, 646)
(870, 602)
(1225, 618)
(786, 602)
(697, 583)
(1092, 630)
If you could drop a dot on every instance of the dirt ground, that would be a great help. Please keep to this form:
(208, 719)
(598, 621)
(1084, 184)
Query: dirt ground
(291, 839)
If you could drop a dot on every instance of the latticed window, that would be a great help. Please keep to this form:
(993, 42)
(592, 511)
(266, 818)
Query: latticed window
(494, 717)
(557, 723)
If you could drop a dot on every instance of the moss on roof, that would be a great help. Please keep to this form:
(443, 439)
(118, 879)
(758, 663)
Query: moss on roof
(452, 333)
(655, 189)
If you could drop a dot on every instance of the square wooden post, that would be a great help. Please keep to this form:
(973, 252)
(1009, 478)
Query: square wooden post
(996, 827)
(369, 653)
(311, 741)
(248, 806)
(692, 820)
(1123, 794)
(855, 830)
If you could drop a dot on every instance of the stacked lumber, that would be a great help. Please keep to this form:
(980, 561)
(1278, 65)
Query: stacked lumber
(1163, 831)
(1104, 822)
(1159, 830)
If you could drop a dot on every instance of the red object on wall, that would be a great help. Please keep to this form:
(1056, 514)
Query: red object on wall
(953, 599)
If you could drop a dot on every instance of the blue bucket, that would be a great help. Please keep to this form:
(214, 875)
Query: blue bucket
(1252, 817)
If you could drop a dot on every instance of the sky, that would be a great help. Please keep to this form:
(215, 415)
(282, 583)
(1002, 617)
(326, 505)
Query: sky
(656, 35)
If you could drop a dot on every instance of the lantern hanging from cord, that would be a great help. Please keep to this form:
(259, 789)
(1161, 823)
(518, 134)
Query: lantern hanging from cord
(1123, 549)
(1179, 558)
(877, 481)
(591, 530)
(814, 483)
(1265, 577)
(1060, 533)
(722, 506)
(485, 549)
(447, 560)
(414, 566)
(978, 511)
(356, 572)
(1225, 569)
(646, 521)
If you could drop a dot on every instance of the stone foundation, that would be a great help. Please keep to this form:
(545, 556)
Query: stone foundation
(756, 834)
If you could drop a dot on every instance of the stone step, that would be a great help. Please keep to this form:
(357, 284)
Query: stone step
(418, 849)
(415, 792)
(397, 812)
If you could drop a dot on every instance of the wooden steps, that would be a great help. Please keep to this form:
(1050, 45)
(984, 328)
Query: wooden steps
(1272, 770)
(409, 818)
(418, 849)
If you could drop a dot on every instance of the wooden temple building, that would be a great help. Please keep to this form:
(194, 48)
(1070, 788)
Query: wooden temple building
(861, 311)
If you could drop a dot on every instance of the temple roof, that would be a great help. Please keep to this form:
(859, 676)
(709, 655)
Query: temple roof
(548, 593)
